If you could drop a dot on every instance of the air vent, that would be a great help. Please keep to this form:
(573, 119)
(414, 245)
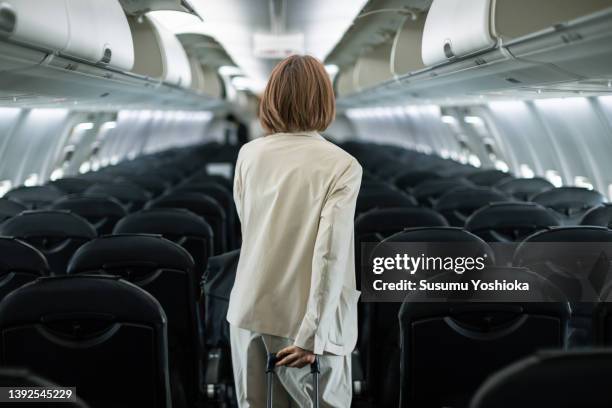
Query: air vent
(8, 19)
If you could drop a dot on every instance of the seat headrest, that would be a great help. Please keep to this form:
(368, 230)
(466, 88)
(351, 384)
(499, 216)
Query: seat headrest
(123, 191)
(46, 193)
(436, 187)
(9, 208)
(165, 221)
(511, 215)
(411, 178)
(129, 250)
(382, 198)
(90, 205)
(382, 219)
(536, 381)
(568, 200)
(47, 223)
(488, 177)
(468, 198)
(19, 256)
(99, 296)
(600, 215)
(196, 202)
(72, 185)
(524, 186)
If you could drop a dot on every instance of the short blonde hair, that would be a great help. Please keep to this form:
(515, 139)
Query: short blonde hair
(299, 97)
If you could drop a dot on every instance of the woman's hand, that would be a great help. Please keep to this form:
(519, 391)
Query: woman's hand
(296, 357)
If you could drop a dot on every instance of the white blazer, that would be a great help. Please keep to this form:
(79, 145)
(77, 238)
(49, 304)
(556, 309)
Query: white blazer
(295, 194)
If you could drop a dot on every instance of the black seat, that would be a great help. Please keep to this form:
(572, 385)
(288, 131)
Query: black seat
(510, 222)
(72, 185)
(368, 200)
(570, 202)
(102, 335)
(457, 205)
(429, 191)
(380, 328)
(600, 215)
(156, 186)
(409, 179)
(130, 195)
(449, 347)
(102, 212)
(18, 378)
(203, 176)
(10, 208)
(166, 271)
(224, 197)
(35, 197)
(179, 226)
(576, 259)
(201, 205)
(488, 178)
(563, 379)
(524, 188)
(20, 263)
(57, 234)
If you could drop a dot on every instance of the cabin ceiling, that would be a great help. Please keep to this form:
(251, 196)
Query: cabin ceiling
(234, 22)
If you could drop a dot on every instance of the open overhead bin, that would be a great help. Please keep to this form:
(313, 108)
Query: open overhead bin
(95, 31)
(141, 7)
(159, 53)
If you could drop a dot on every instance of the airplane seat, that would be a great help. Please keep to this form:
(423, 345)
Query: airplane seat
(378, 198)
(35, 197)
(428, 192)
(201, 205)
(457, 205)
(488, 178)
(72, 185)
(535, 381)
(154, 185)
(576, 259)
(178, 225)
(600, 215)
(410, 178)
(106, 337)
(381, 326)
(95, 177)
(166, 271)
(130, 195)
(510, 222)
(203, 176)
(440, 335)
(101, 211)
(570, 202)
(57, 234)
(223, 197)
(17, 378)
(169, 173)
(524, 188)
(10, 208)
(21, 263)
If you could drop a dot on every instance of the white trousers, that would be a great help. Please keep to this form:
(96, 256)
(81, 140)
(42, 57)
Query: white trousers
(292, 386)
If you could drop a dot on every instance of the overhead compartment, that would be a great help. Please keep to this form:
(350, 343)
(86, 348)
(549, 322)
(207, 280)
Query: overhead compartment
(92, 30)
(140, 7)
(373, 67)
(457, 29)
(406, 52)
(159, 53)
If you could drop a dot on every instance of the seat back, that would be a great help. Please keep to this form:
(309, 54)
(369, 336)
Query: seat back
(380, 329)
(510, 222)
(201, 205)
(154, 185)
(106, 337)
(35, 197)
(57, 234)
(382, 198)
(409, 179)
(600, 215)
(576, 259)
(166, 271)
(10, 208)
(20, 263)
(17, 378)
(428, 192)
(132, 196)
(488, 178)
(457, 205)
(477, 337)
(177, 225)
(101, 212)
(72, 185)
(524, 188)
(535, 381)
(570, 202)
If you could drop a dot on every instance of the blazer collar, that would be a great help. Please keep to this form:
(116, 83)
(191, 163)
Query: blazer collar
(313, 134)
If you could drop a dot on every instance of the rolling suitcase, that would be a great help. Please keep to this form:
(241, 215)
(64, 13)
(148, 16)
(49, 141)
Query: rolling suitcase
(271, 363)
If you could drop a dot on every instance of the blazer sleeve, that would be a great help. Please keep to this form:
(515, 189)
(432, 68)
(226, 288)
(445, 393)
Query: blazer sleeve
(238, 187)
(332, 251)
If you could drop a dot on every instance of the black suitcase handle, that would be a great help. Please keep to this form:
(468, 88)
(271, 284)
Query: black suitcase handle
(271, 365)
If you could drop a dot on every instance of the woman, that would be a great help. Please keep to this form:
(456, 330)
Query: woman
(295, 292)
